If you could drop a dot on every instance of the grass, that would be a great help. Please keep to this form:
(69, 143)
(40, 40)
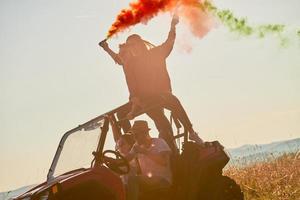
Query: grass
(278, 179)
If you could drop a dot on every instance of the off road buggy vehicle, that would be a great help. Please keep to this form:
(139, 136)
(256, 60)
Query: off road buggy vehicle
(79, 171)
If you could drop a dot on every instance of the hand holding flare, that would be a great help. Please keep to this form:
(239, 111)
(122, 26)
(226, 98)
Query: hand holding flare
(103, 44)
(175, 20)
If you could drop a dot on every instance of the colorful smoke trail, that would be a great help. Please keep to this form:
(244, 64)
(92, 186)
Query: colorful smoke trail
(200, 16)
(242, 27)
(140, 11)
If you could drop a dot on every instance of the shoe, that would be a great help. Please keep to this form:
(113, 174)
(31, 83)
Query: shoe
(195, 137)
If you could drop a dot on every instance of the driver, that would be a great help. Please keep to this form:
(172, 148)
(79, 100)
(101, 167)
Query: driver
(153, 155)
(124, 143)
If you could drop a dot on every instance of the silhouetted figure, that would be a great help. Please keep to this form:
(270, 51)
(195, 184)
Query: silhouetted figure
(149, 82)
(131, 56)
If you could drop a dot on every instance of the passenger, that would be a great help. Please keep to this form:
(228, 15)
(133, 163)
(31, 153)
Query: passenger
(154, 160)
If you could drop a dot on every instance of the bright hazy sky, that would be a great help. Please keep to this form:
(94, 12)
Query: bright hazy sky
(53, 76)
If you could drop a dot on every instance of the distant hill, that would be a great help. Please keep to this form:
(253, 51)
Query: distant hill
(248, 154)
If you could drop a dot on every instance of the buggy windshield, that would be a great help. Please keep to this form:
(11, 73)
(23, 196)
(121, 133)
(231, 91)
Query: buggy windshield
(76, 148)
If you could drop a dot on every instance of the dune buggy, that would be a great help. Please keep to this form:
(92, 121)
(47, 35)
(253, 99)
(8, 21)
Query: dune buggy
(78, 170)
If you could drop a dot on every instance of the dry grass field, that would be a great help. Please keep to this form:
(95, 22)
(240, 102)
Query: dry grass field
(271, 180)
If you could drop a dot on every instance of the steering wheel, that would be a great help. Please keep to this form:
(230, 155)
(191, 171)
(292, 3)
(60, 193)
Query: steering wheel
(119, 164)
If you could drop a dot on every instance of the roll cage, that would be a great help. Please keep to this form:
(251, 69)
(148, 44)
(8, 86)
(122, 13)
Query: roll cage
(102, 121)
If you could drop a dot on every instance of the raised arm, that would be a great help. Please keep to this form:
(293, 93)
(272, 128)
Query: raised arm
(167, 46)
(114, 55)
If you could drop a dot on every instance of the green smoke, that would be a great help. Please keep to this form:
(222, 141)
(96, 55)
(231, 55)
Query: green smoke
(241, 26)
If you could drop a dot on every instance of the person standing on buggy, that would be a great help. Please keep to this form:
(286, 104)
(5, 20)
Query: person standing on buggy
(125, 59)
(129, 59)
(149, 83)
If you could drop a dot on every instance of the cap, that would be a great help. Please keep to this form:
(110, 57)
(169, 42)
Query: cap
(139, 125)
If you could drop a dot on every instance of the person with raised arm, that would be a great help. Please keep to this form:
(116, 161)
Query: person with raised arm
(149, 82)
(131, 55)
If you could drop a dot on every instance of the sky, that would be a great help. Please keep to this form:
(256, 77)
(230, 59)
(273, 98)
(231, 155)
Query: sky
(53, 77)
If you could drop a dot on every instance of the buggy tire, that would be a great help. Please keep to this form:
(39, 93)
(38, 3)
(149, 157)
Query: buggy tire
(228, 189)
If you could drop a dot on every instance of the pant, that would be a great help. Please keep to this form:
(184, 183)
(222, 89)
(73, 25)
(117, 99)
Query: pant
(160, 120)
(172, 103)
(139, 184)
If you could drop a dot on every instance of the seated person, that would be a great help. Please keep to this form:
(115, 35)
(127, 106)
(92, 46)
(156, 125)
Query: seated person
(153, 155)
(124, 143)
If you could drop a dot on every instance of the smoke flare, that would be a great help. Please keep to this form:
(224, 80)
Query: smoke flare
(141, 11)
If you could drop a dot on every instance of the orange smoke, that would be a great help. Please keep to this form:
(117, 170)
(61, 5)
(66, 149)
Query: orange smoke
(199, 21)
(139, 11)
